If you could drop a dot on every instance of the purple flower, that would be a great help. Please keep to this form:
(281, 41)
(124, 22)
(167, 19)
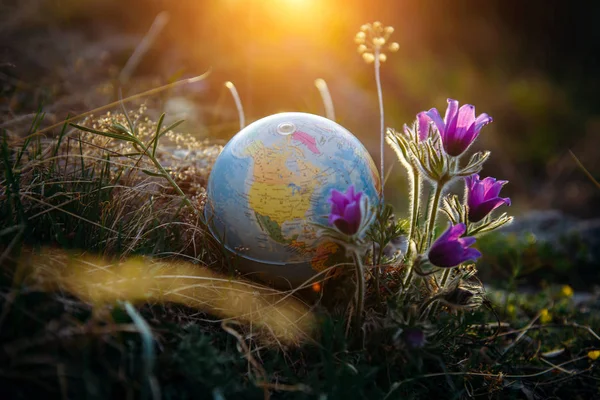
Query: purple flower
(346, 214)
(459, 128)
(482, 196)
(450, 249)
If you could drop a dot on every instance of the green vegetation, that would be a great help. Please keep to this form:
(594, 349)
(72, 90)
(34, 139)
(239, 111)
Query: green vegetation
(83, 190)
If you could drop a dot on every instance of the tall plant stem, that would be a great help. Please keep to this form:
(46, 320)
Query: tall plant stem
(433, 211)
(360, 292)
(381, 116)
(445, 275)
(415, 204)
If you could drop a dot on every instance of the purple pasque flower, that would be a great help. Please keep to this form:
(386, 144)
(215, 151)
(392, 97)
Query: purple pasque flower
(450, 250)
(482, 196)
(346, 213)
(459, 128)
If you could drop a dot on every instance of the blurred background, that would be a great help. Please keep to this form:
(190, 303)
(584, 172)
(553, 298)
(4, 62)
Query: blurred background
(531, 65)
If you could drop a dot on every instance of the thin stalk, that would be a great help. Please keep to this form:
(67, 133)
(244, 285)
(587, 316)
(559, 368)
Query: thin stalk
(445, 276)
(381, 114)
(118, 102)
(415, 204)
(167, 176)
(238, 103)
(360, 291)
(433, 211)
(326, 97)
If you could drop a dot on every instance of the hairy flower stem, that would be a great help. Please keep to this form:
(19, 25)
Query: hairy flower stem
(445, 277)
(381, 116)
(433, 211)
(360, 292)
(415, 204)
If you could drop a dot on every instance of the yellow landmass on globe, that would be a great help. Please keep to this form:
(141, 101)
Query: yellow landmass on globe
(280, 202)
(277, 191)
(321, 260)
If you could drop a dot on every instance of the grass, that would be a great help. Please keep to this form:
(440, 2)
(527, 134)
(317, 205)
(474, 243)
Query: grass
(112, 288)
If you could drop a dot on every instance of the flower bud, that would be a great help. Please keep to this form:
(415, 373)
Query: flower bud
(360, 37)
(382, 57)
(389, 30)
(378, 41)
(393, 47)
(377, 25)
(365, 27)
(362, 48)
(368, 57)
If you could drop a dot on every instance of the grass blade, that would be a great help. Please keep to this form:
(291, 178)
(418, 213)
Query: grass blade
(585, 170)
(148, 355)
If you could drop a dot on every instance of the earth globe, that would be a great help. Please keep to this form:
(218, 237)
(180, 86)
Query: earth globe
(269, 187)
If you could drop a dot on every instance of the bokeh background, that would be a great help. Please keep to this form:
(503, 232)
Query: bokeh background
(531, 65)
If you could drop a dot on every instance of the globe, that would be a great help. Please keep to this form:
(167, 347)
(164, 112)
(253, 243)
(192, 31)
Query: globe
(270, 185)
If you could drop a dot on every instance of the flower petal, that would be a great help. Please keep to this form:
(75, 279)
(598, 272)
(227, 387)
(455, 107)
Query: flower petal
(494, 190)
(352, 215)
(451, 111)
(464, 120)
(333, 218)
(435, 116)
(467, 241)
(350, 192)
(471, 180)
(338, 199)
(482, 120)
(444, 236)
(446, 254)
(423, 121)
(343, 226)
(471, 254)
(479, 211)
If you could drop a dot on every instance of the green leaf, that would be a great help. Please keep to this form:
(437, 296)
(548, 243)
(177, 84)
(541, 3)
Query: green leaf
(105, 134)
(157, 174)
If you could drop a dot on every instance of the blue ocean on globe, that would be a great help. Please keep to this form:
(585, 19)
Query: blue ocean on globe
(270, 185)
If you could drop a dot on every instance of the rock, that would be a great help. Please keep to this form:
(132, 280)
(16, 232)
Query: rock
(560, 231)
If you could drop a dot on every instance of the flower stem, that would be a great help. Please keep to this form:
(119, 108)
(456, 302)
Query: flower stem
(360, 292)
(415, 202)
(445, 276)
(433, 211)
(165, 174)
(381, 114)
